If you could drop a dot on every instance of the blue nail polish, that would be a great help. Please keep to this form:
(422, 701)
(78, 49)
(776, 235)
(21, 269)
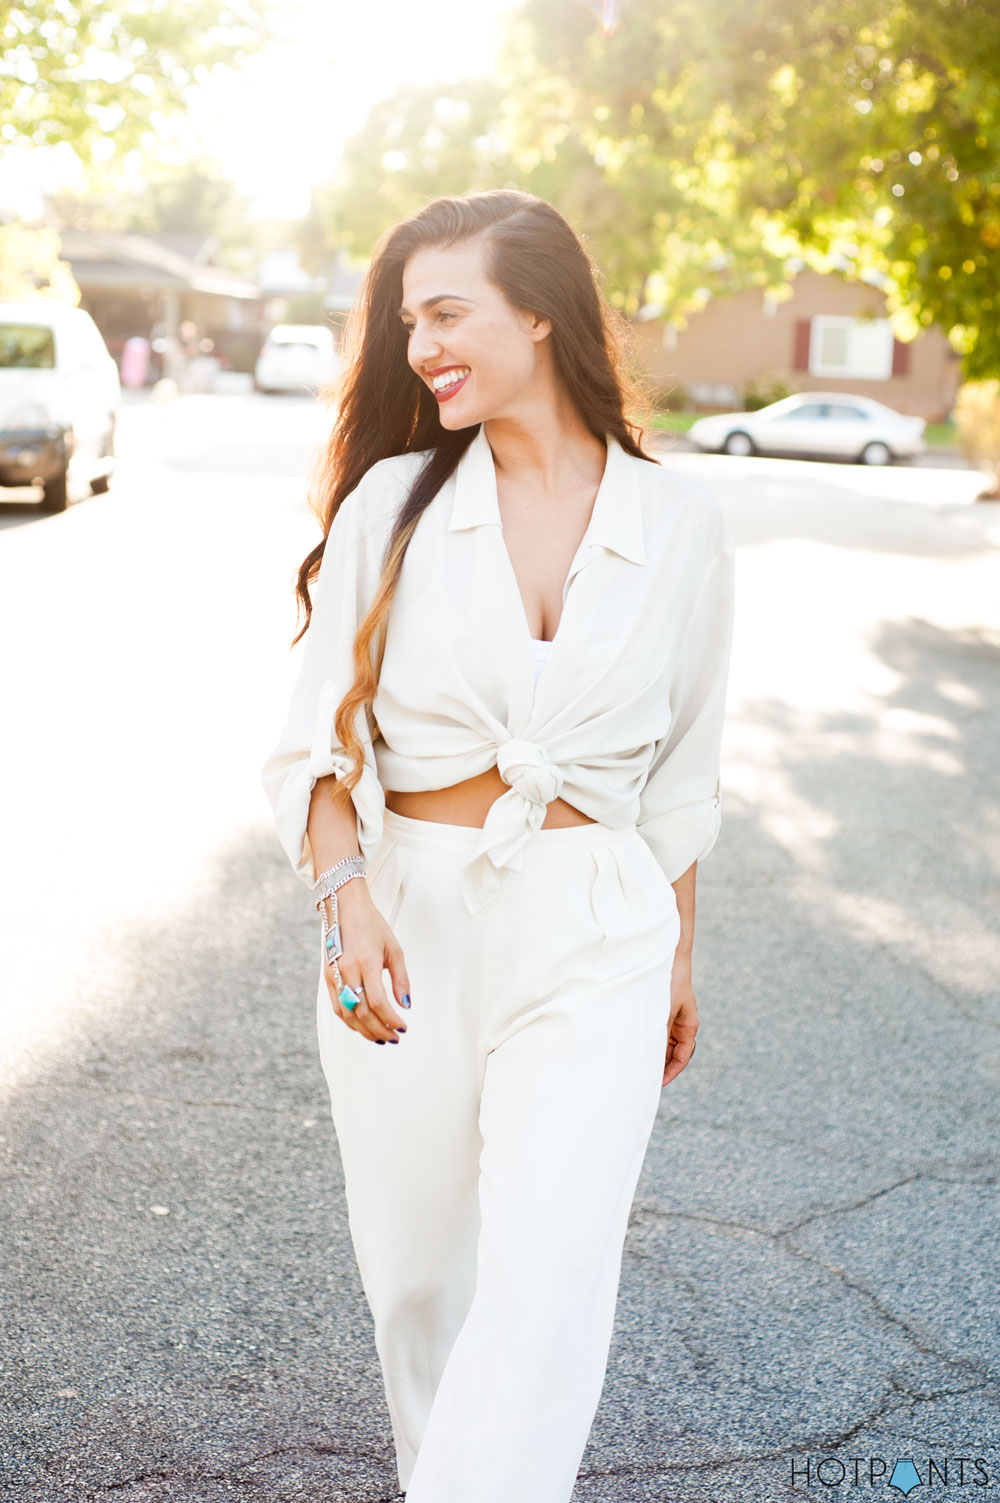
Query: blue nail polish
(406, 999)
(391, 1041)
(380, 1041)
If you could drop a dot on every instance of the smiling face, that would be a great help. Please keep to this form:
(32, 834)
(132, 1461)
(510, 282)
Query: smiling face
(482, 357)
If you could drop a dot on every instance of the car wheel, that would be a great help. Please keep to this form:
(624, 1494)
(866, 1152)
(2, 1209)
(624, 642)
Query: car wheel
(739, 444)
(876, 453)
(99, 485)
(55, 494)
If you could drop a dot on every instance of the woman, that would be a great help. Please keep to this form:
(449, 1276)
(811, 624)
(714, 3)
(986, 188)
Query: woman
(509, 712)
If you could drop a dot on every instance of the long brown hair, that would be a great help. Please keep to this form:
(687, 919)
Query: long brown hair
(537, 261)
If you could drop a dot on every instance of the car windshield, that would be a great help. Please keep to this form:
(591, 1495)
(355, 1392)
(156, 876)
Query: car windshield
(26, 347)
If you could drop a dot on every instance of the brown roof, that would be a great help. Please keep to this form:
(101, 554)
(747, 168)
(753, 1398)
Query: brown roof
(106, 259)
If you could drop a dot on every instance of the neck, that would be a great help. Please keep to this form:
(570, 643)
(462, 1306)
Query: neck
(546, 449)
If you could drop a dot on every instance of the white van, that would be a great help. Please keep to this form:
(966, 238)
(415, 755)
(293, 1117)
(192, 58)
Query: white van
(297, 357)
(59, 401)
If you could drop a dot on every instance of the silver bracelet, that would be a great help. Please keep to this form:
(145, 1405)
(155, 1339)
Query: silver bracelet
(356, 861)
(332, 945)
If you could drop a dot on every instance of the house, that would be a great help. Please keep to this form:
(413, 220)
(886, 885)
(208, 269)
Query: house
(153, 284)
(832, 334)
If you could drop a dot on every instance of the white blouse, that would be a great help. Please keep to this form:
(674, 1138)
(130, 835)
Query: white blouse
(625, 722)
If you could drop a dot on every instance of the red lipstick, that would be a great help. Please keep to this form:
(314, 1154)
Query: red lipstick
(449, 391)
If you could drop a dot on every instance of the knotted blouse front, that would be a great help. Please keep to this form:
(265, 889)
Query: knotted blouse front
(626, 720)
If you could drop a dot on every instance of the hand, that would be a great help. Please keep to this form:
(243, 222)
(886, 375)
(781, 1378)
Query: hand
(369, 947)
(683, 1019)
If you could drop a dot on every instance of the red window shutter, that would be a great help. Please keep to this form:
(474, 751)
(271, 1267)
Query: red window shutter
(800, 357)
(900, 358)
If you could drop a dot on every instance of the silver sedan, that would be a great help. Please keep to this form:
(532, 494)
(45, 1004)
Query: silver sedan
(815, 424)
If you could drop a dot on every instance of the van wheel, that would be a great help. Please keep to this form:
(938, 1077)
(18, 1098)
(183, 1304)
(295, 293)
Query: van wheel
(54, 493)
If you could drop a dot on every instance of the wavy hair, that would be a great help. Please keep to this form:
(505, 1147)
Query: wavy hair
(383, 408)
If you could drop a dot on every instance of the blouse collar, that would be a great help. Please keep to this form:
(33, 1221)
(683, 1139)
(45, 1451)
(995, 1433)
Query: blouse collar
(616, 521)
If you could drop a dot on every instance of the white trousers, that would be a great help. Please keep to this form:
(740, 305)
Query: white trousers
(491, 1156)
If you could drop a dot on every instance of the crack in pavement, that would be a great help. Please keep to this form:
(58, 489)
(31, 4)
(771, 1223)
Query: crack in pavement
(196, 1473)
(822, 1441)
(781, 1237)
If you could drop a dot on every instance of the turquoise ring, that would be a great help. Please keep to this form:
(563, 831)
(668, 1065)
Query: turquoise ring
(348, 998)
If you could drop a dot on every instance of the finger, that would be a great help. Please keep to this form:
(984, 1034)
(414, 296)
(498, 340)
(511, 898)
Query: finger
(396, 966)
(679, 1054)
(347, 1015)
(361, 1017)
(381, 1013)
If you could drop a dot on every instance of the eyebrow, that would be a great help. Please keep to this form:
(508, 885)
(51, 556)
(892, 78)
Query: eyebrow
(441, 297)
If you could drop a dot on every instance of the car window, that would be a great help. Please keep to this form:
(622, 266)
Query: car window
(27, 347)
(811, 410)
(841, 413)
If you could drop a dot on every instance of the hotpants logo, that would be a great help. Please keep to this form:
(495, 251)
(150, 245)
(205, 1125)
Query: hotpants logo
(904, 1474)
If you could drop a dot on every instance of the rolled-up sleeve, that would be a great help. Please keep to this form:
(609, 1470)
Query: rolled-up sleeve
(680, 807)
(306, 749)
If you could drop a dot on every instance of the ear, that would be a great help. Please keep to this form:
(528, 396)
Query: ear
(539, 327)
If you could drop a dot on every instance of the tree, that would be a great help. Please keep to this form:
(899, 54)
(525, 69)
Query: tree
(711, 145)
(410, 144)
(878, 135)
(626, 128)
(857, 132)
(30, 265)
(99, 76)
(101, 79)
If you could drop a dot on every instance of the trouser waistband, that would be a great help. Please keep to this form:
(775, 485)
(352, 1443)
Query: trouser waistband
(432, 835)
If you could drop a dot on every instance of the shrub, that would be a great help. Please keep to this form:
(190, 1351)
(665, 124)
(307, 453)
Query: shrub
(760, 391)
(977, 421)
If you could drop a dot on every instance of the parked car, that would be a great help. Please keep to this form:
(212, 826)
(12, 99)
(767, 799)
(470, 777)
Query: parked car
(297, 357)
(59, 401)
(815, 424)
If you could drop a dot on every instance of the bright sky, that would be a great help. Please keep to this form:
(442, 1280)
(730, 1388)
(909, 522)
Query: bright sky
(278, 125)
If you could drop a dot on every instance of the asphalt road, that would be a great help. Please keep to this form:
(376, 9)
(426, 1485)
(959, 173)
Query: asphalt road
(811, 1269)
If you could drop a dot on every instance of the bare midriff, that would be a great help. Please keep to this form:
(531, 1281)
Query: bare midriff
(468, 803)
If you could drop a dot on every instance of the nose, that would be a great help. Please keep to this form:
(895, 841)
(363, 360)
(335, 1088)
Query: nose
(423, 347)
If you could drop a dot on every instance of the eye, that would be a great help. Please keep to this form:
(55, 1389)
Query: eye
(441, 313)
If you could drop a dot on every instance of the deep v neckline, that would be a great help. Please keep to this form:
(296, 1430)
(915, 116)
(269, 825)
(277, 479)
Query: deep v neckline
(577, 562)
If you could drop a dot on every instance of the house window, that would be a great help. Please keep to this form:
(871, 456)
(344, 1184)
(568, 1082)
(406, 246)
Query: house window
(851, 347)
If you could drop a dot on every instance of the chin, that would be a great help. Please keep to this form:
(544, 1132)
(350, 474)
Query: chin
(466, 418)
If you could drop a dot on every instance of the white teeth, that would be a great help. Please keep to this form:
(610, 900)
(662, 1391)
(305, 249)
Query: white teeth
(448, 378)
